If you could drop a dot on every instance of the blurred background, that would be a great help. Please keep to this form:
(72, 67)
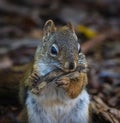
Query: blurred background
(97, 24)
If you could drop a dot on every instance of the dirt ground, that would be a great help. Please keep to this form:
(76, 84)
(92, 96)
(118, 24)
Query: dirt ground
(97, 24)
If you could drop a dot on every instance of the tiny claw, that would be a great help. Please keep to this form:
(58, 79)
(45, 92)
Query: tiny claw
(63, 82)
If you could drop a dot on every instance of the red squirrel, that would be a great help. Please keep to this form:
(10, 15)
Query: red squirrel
(53, 88)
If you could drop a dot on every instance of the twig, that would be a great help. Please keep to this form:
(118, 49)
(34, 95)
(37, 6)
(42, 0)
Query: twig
(90, 44)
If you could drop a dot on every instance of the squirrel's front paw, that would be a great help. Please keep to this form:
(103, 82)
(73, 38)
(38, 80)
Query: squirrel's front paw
(63, 82)
(37, 90)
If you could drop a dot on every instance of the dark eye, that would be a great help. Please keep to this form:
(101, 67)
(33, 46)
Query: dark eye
(54, 50)
(79, 48)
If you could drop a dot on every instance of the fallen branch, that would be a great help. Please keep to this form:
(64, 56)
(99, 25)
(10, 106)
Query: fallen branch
(90, 44)
(103, 111)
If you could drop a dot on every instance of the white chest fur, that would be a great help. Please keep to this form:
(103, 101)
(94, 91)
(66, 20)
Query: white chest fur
(53, 106)
(46, 109)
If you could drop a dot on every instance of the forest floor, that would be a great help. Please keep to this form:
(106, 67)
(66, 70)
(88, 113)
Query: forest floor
(97, 24)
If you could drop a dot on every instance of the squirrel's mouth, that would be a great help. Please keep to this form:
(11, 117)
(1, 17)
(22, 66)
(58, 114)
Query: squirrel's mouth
(79, 68)
(67, 70)
(69, 66)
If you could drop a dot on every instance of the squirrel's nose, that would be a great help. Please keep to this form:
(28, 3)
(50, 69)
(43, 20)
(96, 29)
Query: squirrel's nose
(70, 66)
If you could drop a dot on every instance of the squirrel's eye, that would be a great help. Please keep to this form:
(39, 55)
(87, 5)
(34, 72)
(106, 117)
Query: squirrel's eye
(54, 50)
(79, 48)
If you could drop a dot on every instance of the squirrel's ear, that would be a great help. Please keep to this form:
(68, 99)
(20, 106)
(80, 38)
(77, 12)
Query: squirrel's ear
(49, 27)
(71, 27)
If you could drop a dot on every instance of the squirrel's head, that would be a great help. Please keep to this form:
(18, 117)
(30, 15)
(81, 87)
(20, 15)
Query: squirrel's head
(60, 46)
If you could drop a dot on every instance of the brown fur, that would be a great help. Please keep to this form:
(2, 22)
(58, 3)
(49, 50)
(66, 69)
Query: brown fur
(76, 85)
(73, 85)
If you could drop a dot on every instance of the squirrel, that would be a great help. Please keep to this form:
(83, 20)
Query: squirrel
(53, 89)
